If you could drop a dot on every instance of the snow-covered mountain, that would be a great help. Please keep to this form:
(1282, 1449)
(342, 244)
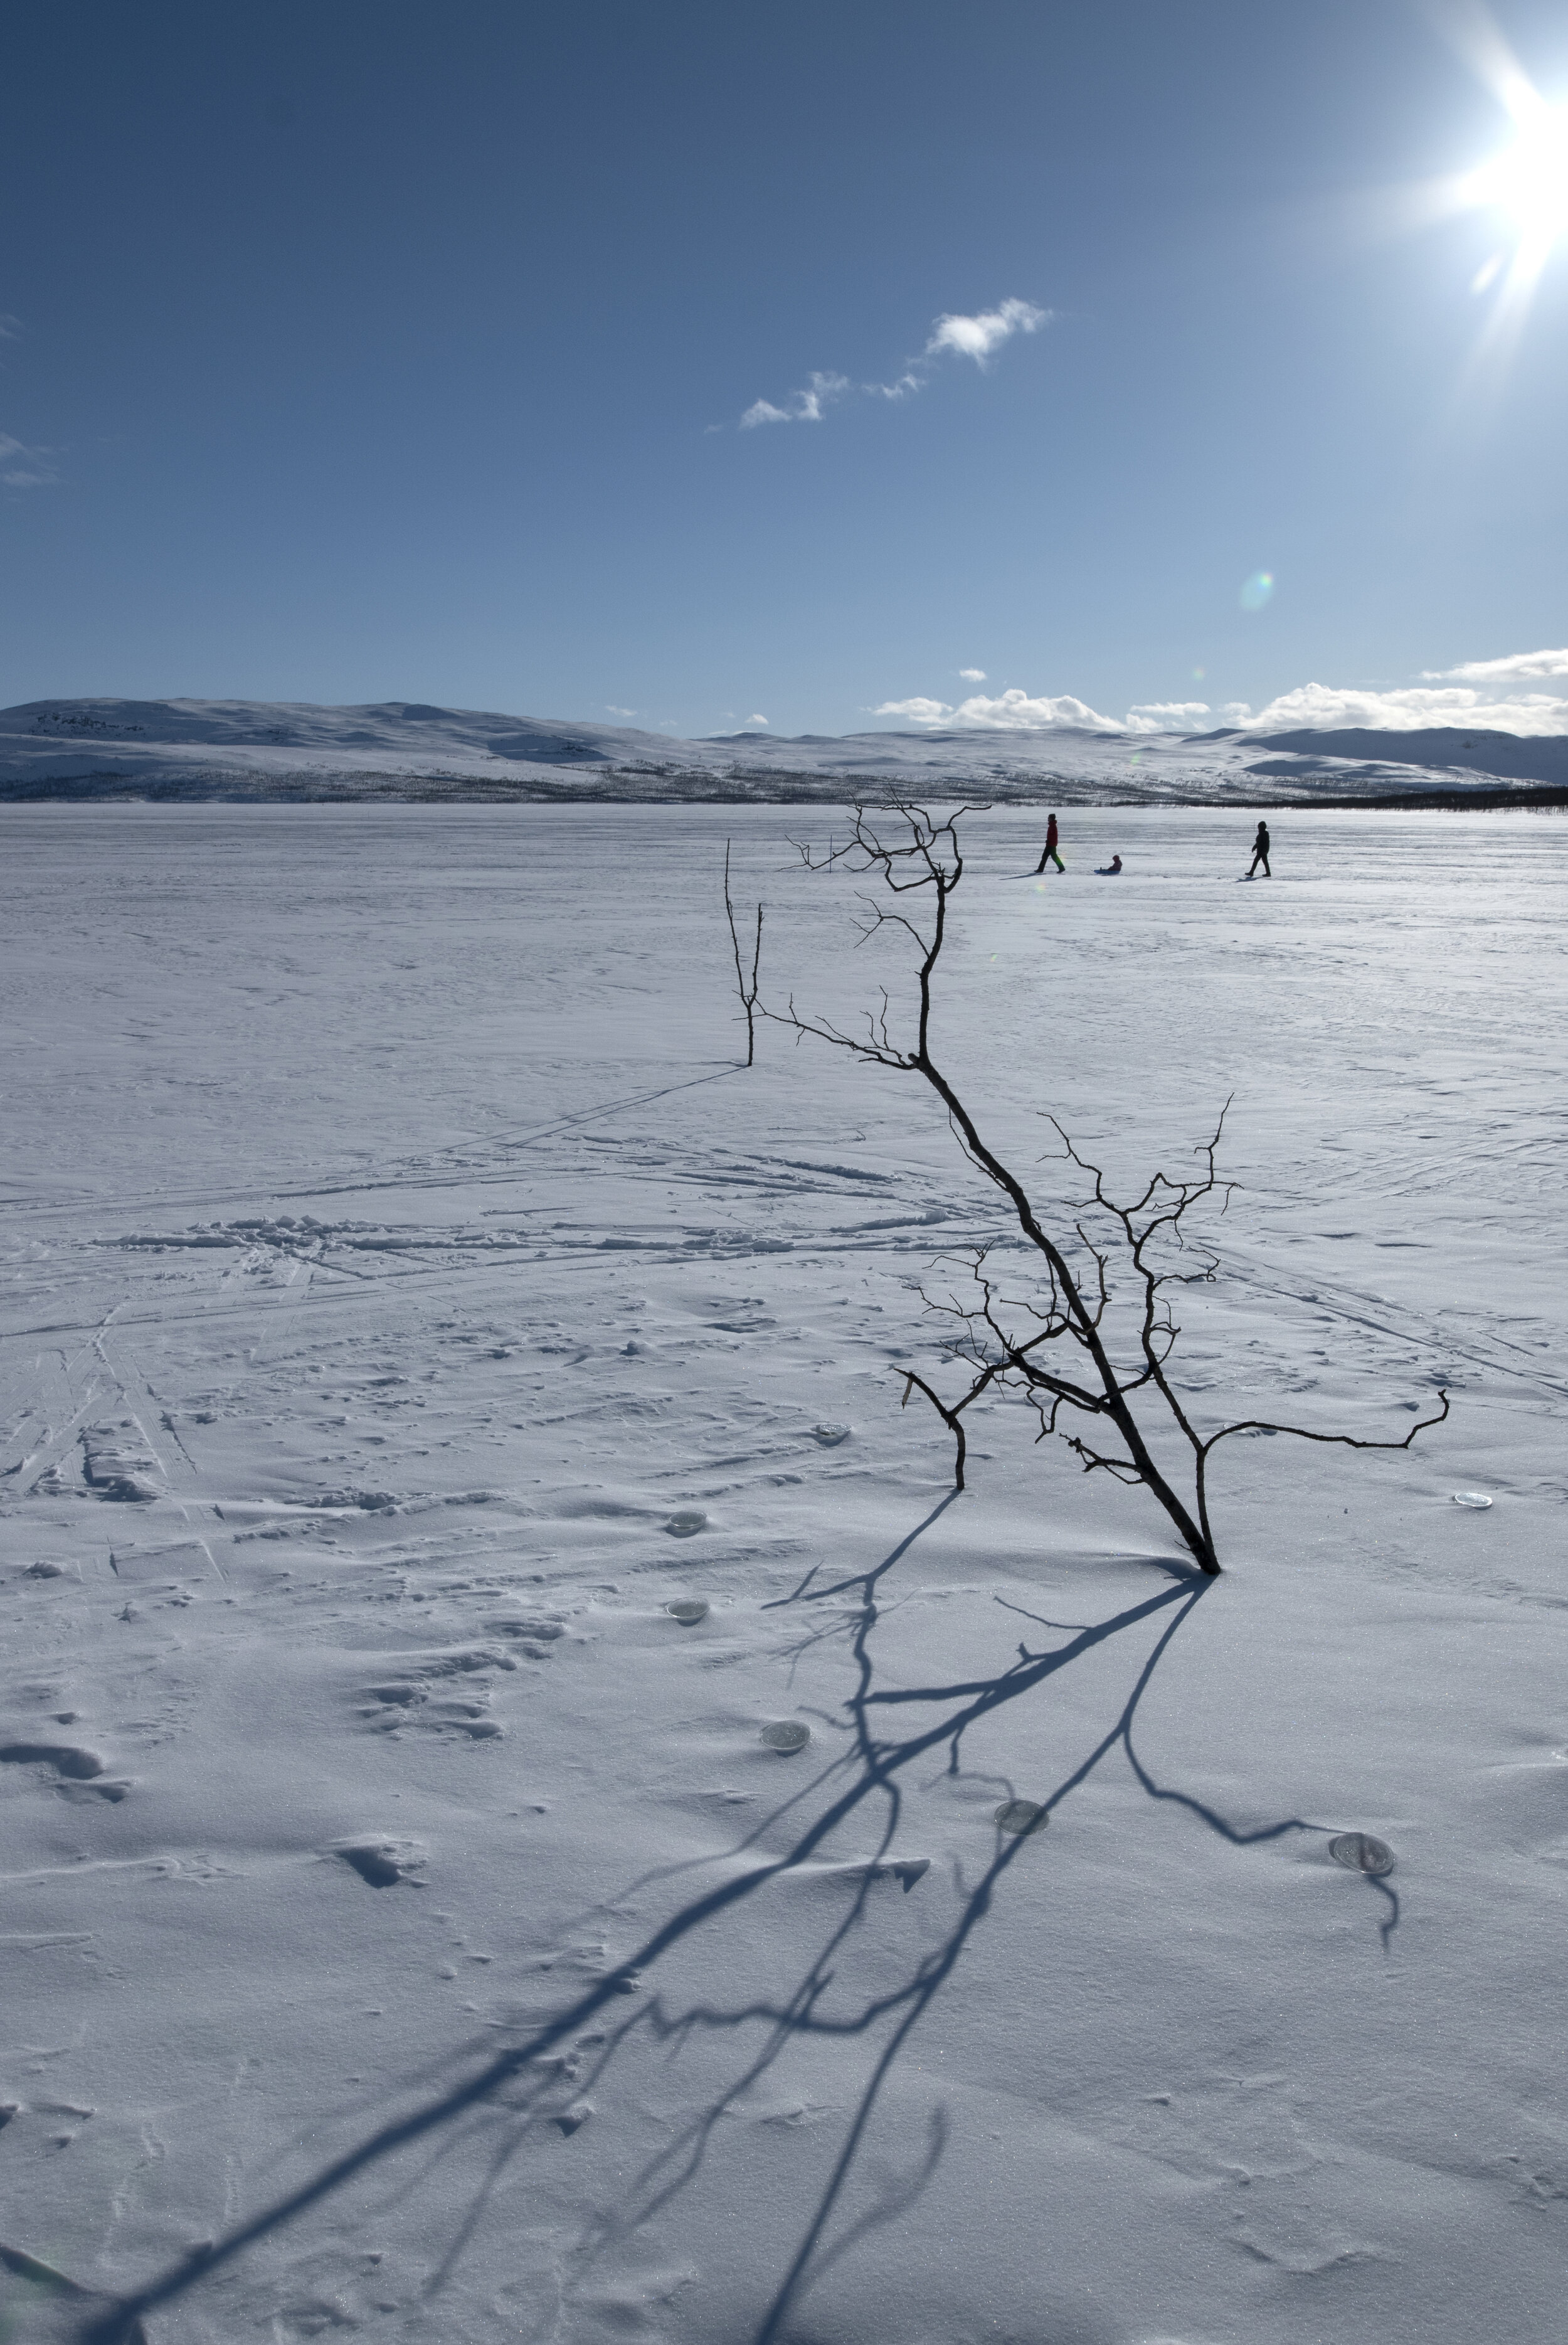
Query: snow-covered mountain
(408, 749)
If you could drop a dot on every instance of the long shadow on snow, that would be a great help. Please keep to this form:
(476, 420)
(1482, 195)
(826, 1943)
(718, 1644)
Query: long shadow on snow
(521, 2087)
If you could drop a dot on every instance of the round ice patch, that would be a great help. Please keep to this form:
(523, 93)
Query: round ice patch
(686, 1521)
(688, 1611)
(1471, 1498)
(830, 1436)
(1020, 1816)
(1361, 1853)
(785, 1734)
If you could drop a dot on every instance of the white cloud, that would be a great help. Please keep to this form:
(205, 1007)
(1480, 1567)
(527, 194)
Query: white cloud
(757, 720)
(1430, 704)
(973, 675)
(1016, 712)
(1011, 711)
(919, 712)
(10, 327)
(978, 337)
(805, 406)
(1515, 669)
(1320, 707)
(1167, 716)
(21, 467)
(824, 387)
(610, 710)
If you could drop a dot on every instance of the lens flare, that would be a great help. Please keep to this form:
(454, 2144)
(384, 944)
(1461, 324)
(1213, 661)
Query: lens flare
(1258, 590)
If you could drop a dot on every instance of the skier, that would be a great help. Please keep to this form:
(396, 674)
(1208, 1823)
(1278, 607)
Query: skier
(1260, 853)
(1111, 871)
(1051, 855)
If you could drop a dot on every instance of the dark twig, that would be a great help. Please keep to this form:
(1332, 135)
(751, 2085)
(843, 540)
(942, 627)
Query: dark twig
(746, 987)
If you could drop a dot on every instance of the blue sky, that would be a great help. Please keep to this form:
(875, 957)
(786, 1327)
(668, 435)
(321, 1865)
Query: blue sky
(367, 352)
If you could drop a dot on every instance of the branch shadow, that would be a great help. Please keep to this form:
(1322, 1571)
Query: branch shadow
(540, 2078)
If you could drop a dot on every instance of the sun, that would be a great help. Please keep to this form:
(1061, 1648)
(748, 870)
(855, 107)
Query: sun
(1529, 179)
(1522, 191)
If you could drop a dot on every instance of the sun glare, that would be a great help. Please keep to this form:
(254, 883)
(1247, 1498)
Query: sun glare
(1522, 189)
(1529, 179)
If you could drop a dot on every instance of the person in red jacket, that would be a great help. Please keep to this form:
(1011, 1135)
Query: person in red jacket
(1051, 855)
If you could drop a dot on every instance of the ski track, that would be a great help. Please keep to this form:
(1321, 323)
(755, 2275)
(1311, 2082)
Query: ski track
(382, 1351)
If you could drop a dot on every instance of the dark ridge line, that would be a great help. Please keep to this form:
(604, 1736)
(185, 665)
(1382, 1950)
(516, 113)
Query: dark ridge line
(671, 787)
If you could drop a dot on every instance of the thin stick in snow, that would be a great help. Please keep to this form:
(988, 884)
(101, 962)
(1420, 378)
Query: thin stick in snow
(746, 987)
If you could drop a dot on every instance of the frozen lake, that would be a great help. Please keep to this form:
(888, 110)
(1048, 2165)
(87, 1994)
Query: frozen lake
(407, 1296)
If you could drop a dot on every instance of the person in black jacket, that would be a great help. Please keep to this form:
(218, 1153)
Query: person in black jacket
(1260, 853)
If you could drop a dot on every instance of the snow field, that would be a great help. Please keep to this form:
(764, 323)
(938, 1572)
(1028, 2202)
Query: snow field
(397, 1267)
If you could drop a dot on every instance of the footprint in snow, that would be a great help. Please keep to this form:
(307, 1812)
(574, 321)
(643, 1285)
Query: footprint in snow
(908, 1871)
(54, 2310)
(78, 1773)
(400, 1693)
(382, 1864)
(536, 1635)
(422, 1694)
(403, 1704)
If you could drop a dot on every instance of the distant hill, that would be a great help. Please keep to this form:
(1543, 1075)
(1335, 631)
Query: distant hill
(241, 749)
(1511, 757)
(403, 726)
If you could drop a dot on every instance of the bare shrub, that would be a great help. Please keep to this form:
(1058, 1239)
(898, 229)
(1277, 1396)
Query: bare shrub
(1090, 1347)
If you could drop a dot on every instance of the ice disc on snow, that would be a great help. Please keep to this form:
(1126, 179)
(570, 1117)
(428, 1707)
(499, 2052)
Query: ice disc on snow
(1020, 1816)
(830, 1436)
(785, 1734)
(1361, 1853)
(686, 1521)
(688, 1611)
(1471, 1498)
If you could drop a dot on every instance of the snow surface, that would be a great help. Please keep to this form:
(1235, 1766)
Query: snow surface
(407, 1298)
(401, 749)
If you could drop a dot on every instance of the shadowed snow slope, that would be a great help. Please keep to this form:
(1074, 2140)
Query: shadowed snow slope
(258, 749)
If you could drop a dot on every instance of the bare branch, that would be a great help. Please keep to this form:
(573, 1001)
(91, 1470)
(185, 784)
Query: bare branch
(1126, 1345)
(746, 987)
